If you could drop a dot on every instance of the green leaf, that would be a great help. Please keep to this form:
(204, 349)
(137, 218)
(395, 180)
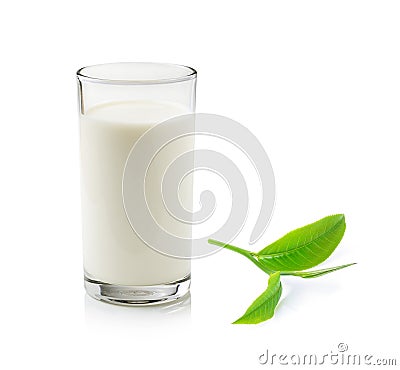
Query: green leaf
(263, 307)
(305, 247)
(316, 273)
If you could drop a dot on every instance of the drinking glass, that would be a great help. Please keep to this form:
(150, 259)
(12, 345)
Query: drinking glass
(118, 103)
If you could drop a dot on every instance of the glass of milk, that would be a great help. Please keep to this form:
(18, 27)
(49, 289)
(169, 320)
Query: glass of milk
(118, 102)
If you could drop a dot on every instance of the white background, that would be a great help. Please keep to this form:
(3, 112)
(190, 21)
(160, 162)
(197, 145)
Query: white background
(318, 82)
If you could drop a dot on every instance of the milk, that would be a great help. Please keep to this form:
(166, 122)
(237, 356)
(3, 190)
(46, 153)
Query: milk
(112, 252)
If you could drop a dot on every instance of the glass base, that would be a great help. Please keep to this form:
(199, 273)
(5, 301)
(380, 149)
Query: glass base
(137, 295)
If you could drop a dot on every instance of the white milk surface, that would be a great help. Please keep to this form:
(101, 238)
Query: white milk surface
(113, 253)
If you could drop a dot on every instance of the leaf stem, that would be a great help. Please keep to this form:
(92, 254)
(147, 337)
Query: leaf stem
(243, 252)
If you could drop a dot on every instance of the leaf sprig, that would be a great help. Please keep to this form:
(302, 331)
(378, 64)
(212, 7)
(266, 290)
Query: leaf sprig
(299, 250)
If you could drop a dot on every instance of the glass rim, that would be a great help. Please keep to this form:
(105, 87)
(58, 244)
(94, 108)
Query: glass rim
(83, 75)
